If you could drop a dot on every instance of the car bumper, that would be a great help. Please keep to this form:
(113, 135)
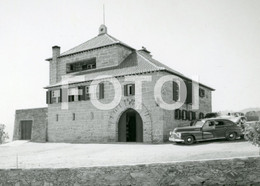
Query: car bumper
(175, 139)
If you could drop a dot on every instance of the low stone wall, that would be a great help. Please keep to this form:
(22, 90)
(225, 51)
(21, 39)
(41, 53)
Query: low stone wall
(214, 172)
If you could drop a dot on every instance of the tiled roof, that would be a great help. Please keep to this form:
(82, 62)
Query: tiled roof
(137, 62)
(101, 40)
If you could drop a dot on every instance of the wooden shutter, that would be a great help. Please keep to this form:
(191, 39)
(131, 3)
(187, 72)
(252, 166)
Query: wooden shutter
(133, 86)
(175, 91)
(60, 98)
(189, 116)
(180, 114)
(193, 115)
(189, 92)
(184, 114)
(47, 97)
(101, 91)
(125, 90)
(83, 92)
(177, 114)
(80, 97)
(50, 97)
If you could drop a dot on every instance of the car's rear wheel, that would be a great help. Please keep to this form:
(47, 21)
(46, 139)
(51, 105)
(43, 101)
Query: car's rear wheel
(231, 136)
(188, 140)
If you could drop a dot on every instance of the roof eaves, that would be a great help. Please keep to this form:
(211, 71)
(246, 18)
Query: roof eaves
(126, 74)
(184, 77)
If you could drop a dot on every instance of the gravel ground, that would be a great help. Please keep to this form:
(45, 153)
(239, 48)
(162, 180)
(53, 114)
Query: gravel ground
(26, 154)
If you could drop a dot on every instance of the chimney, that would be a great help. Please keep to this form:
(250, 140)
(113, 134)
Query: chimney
(54, 72)
(145, 51)
(55, 51)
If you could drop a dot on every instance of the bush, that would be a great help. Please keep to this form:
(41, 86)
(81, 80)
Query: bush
(252, 133)
(3, 135)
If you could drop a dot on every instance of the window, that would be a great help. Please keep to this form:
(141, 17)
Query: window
(71, 67)
(129, 90)
(101, 90)
(56, 96)
(180, 114)
(72, 94)
(57, 117)
(189, 92)
(87, 93)
(184, 114)
(193, 115)
(201, 92)
(189, 115)
(73, 116)
(201, 115)
(177, 114)
(53, 96)
(84, 67)
(175, 91)
(81, 65)
(81, 92)
(219, 123)
(71, 98)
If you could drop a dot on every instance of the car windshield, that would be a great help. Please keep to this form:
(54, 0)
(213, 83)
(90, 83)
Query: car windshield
(199, 123)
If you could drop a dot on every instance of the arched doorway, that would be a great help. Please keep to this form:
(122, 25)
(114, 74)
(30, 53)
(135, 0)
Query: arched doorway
(130, 127)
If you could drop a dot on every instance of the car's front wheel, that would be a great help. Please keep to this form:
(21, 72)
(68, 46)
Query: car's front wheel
(188, 140)
(231, 136)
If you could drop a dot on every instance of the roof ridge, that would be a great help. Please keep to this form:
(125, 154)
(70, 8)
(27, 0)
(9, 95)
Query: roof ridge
(113, 38)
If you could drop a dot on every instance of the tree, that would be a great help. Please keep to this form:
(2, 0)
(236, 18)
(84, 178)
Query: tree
(3, 135)
(252, 133)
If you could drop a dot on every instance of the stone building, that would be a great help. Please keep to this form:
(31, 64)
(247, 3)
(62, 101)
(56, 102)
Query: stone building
(72, 115)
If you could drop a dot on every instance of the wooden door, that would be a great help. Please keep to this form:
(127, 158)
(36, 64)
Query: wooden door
(26, 129)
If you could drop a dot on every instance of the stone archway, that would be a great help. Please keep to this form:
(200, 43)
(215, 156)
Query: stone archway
(123, 106)
(130, 127)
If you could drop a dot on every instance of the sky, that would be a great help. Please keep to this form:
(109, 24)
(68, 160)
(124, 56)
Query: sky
(217, 40)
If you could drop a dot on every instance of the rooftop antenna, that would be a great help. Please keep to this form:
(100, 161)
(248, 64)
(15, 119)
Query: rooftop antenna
(104, 20)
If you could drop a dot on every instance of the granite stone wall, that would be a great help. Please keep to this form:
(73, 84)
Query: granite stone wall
(105, 57)
(205, 106)
(39, 123)
(95, 125)
(214, 172)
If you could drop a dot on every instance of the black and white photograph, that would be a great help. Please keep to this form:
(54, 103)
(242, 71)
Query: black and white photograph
(130, 92)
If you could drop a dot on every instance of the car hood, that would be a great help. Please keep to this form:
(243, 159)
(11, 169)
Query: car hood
(191, 128)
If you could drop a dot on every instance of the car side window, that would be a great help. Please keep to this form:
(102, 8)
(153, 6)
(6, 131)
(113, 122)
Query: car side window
(229, 123)
(209, 125)
(220, 123)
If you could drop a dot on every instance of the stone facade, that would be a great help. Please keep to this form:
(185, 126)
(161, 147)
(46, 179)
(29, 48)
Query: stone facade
(82, 122)
(212, 172)
(105, 57)
(94, 125)
(38, 116)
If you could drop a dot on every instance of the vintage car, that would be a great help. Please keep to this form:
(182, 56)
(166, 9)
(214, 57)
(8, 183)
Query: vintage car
(206, 129)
